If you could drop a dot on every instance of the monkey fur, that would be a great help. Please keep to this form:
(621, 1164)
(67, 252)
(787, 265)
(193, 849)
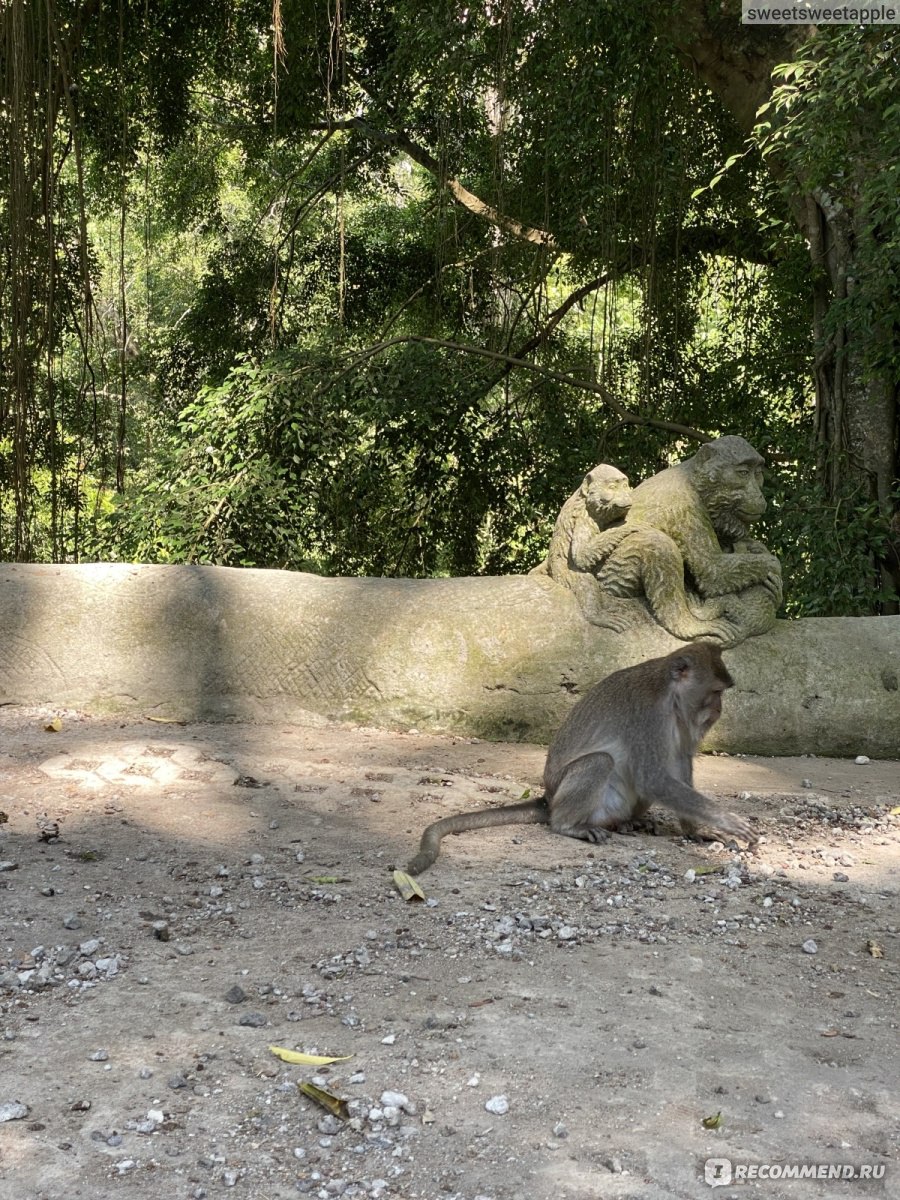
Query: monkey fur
(628, 743)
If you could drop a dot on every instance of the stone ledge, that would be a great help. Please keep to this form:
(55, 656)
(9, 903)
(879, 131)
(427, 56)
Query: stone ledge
(500, 657)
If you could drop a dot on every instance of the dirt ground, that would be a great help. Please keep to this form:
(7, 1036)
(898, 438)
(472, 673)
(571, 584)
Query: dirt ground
(558, 1020)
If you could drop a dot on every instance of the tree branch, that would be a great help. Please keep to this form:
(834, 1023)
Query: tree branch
(625, 415)
(460, 193)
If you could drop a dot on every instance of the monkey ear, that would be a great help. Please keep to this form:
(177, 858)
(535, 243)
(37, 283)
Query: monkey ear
(681, 667)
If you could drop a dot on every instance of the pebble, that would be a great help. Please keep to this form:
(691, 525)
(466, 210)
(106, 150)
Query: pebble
(161, 930)
(71, 921)
(6, 865)
(255, 1020)
(810, 946)
(840, 877)
(441, 1020)
(862, 760)
(397, 1100)
(13, 1110)
(498, 1105)
(236, 995)
(99, 1056)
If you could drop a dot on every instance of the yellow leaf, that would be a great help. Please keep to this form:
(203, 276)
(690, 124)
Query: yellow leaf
(334, 1104)
(712, 1122)
(874, 948)
(407, 886)
(309, 1060)
(166, 720)
(895, 811)
(54, 726)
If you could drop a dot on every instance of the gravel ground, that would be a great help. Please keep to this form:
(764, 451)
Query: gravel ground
(557, 1020)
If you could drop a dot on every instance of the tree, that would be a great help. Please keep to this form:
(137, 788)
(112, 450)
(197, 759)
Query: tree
(822, 105)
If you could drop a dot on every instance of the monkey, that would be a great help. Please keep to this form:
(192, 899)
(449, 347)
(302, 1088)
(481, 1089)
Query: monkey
(706, 504)
(583, 534)
(630, 741)
(593, 530)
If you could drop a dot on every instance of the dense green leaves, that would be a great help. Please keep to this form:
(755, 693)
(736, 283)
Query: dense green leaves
(373, 303)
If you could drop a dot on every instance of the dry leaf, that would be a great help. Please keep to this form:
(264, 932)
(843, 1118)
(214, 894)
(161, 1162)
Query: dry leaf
(407, 886)
(895, 811)
(53, 726)
(309, 1060)
(712, 1122)
(830, 1033)
(875, 948)
(166, 720)
(334, 1104)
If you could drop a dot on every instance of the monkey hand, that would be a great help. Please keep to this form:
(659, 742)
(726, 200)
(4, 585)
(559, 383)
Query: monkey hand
(750, 546)
(732, 825)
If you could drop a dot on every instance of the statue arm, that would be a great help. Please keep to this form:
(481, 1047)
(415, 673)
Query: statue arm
(717, 573)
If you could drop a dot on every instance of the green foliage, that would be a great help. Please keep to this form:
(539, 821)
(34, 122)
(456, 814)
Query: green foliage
(834, 122)
(829, 552)
(266, 247)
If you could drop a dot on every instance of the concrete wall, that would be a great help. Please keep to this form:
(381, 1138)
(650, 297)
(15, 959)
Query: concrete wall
(497, 657)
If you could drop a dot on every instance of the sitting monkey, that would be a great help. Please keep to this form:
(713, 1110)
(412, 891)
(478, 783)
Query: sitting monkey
(629, 742)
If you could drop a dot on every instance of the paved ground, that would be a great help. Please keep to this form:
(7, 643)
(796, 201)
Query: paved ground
(557, 1021)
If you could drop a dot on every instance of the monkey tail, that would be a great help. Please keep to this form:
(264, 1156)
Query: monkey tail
(527, 812)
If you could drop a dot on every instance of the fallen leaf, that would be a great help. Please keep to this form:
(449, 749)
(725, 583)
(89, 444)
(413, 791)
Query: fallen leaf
(334, 1104)
(875, 948)
(895, 811)
(328, 879)
(407, 886)
(712, 1122)
(711, 869)
(309, 1060)
(830, 1033)
(53, 726)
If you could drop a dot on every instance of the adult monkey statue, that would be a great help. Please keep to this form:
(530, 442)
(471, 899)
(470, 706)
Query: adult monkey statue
(683, 547)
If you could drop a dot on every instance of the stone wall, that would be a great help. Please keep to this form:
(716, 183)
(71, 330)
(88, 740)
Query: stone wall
(494, 657)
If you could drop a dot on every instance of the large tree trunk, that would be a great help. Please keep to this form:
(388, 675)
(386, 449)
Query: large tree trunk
(857, 406)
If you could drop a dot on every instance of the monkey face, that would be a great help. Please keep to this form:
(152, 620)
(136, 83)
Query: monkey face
(607, 494)
(701, 679)
(733, 496)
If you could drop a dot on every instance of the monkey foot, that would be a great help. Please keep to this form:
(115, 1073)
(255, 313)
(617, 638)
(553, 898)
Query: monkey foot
(585, 833)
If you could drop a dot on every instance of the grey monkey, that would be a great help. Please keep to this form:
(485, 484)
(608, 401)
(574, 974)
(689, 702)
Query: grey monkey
(630, 741)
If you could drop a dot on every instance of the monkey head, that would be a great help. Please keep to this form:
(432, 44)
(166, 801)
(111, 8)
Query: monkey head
(699, 680)
(607, 495)
(728, 475)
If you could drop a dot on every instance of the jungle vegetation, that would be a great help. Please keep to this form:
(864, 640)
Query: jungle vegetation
(364, 288)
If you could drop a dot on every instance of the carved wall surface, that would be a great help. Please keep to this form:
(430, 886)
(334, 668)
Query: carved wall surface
(500, 658)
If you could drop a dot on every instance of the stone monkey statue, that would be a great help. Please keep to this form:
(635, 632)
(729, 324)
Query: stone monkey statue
(679, 543)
